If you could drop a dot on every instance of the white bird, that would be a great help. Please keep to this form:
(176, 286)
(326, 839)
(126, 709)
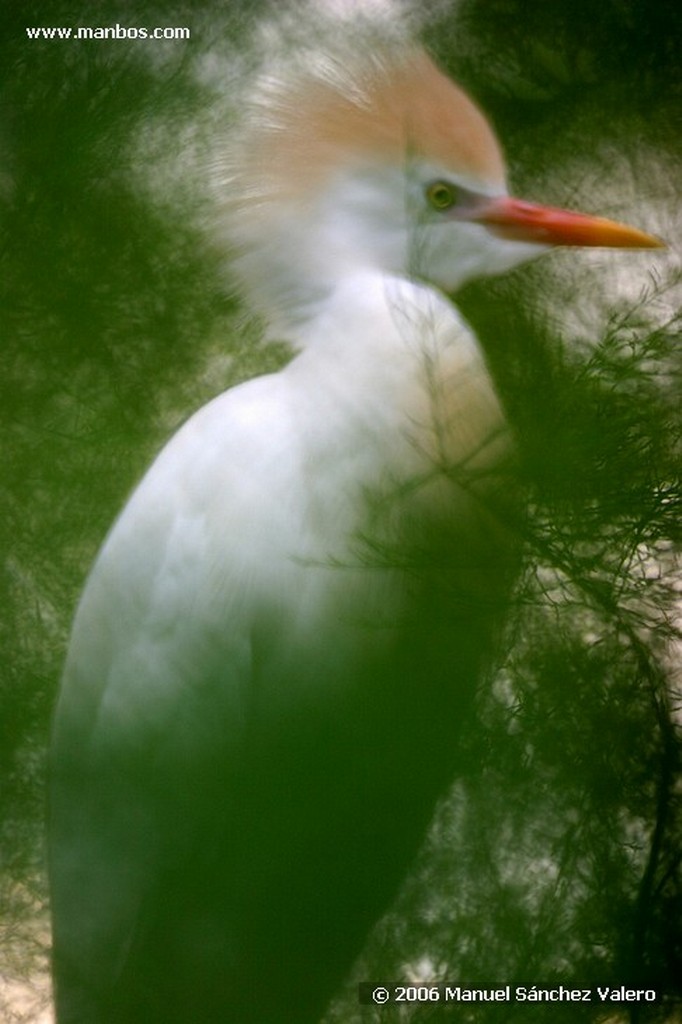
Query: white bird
(282, 633)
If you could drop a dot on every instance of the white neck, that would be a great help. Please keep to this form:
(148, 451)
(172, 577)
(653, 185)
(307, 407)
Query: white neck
(395, 363)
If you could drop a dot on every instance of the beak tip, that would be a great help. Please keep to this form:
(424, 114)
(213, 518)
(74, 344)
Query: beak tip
(633, 238)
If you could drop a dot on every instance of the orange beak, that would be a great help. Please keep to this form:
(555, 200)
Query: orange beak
(548, 225)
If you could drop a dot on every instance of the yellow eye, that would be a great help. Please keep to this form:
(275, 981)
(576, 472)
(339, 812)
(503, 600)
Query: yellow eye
(441, 195)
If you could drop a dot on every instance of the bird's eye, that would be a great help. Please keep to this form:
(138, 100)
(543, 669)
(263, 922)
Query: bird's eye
(441, 195)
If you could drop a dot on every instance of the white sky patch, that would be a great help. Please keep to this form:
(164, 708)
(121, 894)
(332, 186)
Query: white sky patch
(348, 9)
(584, 287)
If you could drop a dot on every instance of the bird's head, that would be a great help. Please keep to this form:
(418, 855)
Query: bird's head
(379, 163)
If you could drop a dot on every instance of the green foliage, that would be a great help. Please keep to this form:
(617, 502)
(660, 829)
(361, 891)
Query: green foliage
(555, 860)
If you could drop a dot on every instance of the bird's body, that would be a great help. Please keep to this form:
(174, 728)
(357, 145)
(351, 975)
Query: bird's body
(299, 670)
(284, 629)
